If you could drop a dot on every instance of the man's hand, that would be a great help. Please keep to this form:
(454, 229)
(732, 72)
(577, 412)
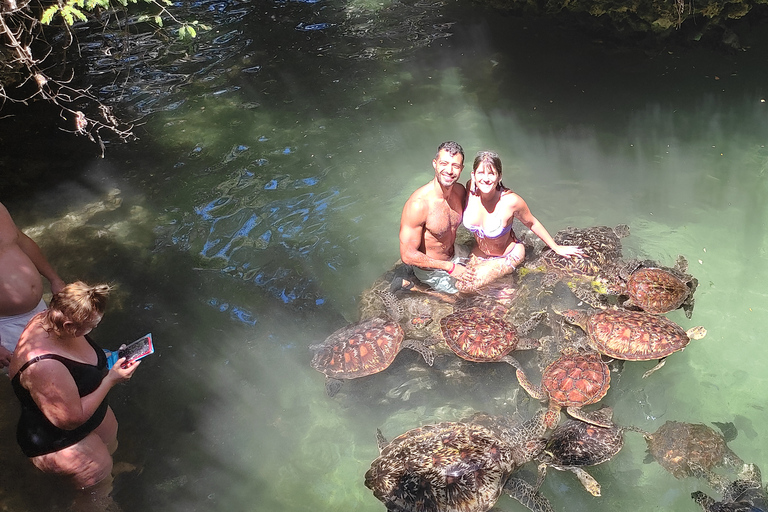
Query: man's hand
(462, 274)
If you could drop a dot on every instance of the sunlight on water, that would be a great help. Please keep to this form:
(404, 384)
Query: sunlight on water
(269, 197)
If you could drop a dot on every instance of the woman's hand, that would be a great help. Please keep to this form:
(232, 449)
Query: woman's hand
(123, 371)
(567, 251)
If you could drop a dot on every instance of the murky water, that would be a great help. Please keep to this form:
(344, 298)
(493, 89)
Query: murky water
(264, 196)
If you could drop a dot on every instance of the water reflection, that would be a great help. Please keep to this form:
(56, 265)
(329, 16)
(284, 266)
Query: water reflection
(264, 196)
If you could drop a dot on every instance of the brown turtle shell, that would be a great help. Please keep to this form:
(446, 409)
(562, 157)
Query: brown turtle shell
(438, 467)
(635, 335)
(359, 349)
(577, 379)
(684, 448)
(601, 245)
(656, 290)
(475, 334)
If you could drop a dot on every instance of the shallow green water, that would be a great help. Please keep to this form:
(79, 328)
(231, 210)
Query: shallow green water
(264, 196)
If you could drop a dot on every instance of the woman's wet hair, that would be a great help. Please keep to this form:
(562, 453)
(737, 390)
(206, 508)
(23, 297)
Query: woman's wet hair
(78, 303)
(489, 159)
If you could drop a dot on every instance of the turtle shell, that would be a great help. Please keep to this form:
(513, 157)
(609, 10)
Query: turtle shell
(634, 335)
(683, 448)
(601, 246)
(359, 349)
(448, 467)
(577, 379)
(576, 443)
(656, 290)
(475, 334)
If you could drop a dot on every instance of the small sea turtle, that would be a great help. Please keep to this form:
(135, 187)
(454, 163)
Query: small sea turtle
(483, 335)
(745, 494)
(654, 288)
(601, 247)
(690, 449)
(365, 347)
(575, 444)
(456, 467)
(575, 379)
(633, 335)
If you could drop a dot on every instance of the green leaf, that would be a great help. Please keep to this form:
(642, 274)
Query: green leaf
(48, 14)
(159, 21)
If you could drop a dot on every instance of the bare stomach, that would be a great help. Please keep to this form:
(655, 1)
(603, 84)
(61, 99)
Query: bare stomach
(494, 247)
(21, 286)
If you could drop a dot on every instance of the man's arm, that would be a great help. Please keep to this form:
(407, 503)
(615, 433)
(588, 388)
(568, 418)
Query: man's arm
(33, 252)
(412, 225)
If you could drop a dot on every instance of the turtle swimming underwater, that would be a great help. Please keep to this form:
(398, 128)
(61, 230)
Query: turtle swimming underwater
(690, 449)
(575, 444)
(633, 335)
(575, 379)
(653, 288)
(745, 494)
(456, 467)
(364, 348)
(601, 247)
(482, 335)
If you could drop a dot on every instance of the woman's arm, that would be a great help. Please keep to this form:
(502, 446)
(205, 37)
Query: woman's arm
(522, 212)
(55, 392)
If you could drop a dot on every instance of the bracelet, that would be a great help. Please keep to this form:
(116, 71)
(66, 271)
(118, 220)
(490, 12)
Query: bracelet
(453, 267)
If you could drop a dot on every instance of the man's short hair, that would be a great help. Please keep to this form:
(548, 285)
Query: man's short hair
(451, 147)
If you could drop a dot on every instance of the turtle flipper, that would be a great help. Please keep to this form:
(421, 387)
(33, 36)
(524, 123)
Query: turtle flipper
(655, 368)
(332, 386)
(527, 495)
(381, 441)
(587, 480)
(422, 348)
(594, 417)
(705, 502)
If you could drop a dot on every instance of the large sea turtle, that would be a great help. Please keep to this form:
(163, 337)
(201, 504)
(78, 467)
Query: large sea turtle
(483, 335)
(633, 335)
(456, 467)
(691, 449)
(601, 246)
(652, 287)
(365, 347)
(745, 494)
(575, 445)
(575, 379)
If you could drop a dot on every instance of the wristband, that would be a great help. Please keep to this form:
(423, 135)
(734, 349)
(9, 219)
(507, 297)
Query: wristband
(453, 267)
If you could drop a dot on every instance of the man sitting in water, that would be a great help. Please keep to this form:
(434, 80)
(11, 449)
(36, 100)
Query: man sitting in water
(21, 287)
(429, 222)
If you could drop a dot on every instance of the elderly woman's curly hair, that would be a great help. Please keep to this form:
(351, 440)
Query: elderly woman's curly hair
(78, 303)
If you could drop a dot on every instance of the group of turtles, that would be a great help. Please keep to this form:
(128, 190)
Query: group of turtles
(465, 466)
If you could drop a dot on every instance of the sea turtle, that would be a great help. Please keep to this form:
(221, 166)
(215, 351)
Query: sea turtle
(364, 348)
(573, 380)
(690, 449)
(745, 494)
(483, 335)
(601, 246)
(633, 335)
(576, 444)
(456, 467)
(652, 287)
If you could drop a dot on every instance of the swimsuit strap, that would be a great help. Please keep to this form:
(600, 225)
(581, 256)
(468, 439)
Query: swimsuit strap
(32, 361)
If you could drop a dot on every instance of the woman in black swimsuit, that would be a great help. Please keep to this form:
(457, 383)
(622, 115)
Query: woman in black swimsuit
(62, 381)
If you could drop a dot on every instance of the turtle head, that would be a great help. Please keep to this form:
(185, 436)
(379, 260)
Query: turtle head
(574, 316)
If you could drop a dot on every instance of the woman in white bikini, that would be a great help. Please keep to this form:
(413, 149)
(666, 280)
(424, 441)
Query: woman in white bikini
(488, 214)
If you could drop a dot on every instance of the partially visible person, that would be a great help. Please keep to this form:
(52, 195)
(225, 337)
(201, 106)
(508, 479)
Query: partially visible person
(21, 287)
(429, 222)
(490, 210)
(61, 380)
